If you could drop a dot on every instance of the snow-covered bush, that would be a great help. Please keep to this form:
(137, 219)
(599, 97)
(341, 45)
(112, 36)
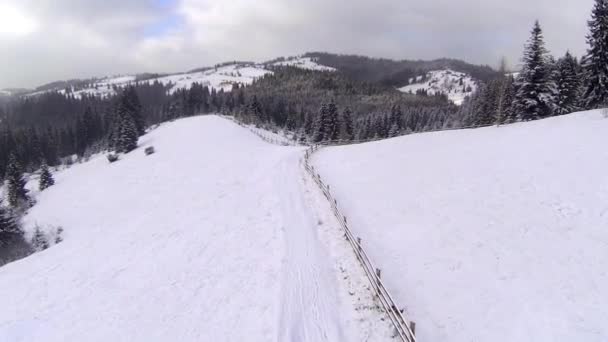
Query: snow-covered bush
(112, 157)
(45, 237)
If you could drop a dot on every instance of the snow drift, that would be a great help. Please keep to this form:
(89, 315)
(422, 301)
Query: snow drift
(494, 234)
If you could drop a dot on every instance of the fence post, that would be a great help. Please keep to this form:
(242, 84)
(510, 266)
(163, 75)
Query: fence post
(378, 274)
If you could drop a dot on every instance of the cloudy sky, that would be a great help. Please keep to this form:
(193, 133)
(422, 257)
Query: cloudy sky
(48, 40)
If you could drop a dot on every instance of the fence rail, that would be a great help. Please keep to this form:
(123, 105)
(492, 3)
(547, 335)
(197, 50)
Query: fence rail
(403, 328)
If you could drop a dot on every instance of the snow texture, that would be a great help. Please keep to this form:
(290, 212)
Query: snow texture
(456, 85)
(218, 236)
(493, 234)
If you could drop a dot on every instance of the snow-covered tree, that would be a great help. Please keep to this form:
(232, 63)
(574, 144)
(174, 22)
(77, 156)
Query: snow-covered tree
(39, 240)
(17, 194)
(534, 99)
(9, 229)
(46, 178)
(595, 62)
(126, 134)
(567, 85)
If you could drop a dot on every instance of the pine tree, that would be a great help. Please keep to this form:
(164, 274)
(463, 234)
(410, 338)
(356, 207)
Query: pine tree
(9, 229)
(393, 131)
(347, 120)
(46, 178)
(568, 85)
(17, 194)
(127, 134)
(595, 63)
(131, 105)
(396, 117)
(534, 97)
(332, 123)
(320, 124)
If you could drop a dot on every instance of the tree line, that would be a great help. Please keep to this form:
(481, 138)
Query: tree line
(545, 86)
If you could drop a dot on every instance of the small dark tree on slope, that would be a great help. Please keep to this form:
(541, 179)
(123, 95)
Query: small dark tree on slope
(9, 229)
(534, 97)
(347, 121)
(332, 129)
(595, 63)
(46, 178)
(17, 194)
(320, 124)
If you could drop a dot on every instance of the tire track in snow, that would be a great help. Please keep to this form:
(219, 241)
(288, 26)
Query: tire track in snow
(309, 301)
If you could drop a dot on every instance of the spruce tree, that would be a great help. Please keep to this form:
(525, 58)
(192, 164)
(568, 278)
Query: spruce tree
(568, 85)
(347, 120)
(131, 105)
(46, 178)
(9, 229)
(127, 135)
(320, 124)
(534, 97)
(17, 194)
(332, 123)
(595, 63)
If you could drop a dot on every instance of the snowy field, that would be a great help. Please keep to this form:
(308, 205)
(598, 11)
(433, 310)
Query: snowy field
(456, 85)
(218, 236)
(496, 234)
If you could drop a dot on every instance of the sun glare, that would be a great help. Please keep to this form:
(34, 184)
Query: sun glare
(14, 22)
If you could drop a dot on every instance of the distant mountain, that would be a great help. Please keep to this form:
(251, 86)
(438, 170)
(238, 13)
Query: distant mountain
(397, 73)
(385, 72)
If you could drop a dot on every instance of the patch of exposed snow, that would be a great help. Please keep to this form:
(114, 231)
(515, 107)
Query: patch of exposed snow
(455, 85)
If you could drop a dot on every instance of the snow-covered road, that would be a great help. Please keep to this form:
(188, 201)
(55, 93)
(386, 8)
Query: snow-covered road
(309, 298)
(216, 237)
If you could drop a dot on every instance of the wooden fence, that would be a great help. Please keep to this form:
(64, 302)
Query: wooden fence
(404, 329)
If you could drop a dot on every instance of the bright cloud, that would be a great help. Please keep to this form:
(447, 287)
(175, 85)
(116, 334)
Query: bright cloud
(15, 22)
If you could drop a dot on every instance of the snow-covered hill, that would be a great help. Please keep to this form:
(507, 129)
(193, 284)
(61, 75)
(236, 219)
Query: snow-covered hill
(218, 78)
(456, 85)
(307, 63)
(223, 77)
(216, 237)
(496, 234)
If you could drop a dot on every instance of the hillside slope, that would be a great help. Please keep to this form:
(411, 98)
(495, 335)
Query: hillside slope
(493, 234)
(209, 239)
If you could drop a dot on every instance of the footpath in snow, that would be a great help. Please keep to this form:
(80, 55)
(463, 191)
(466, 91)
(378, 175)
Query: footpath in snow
(494, 234)
(218, 236)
